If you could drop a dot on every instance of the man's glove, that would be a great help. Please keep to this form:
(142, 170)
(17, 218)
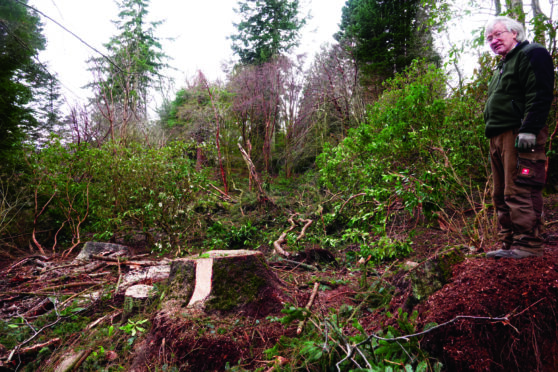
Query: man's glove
(525, 141)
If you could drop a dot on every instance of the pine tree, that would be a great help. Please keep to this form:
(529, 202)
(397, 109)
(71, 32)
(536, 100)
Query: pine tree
(268, 29)
(27, 90)
(385, 36)
(133, 68)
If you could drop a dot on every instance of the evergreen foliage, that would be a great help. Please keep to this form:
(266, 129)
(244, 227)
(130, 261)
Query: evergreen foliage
(386, 36)
(268, 29)
(28, 92)
(417, 145)
(135, 62)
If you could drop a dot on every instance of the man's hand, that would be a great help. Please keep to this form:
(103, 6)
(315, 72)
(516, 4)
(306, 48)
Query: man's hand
(525, 141)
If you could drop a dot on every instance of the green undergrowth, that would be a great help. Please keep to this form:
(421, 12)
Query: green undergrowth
(338, 341)
(418, 159)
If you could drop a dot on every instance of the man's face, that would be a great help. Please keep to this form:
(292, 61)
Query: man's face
(501, 40)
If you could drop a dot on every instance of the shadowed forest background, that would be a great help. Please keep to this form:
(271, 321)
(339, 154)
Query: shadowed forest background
(377, 138)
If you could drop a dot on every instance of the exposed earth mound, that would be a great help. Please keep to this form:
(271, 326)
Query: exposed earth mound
(523, 294)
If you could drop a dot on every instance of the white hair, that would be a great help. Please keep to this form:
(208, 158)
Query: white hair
(511, 25)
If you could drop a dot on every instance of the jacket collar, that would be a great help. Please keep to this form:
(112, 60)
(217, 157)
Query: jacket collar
(516, 49)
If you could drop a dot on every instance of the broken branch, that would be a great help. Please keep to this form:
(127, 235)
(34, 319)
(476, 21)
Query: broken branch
(307, 307)
(303, 232)
(277, 244)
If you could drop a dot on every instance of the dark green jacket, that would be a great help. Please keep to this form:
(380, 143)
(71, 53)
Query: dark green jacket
(521, 91)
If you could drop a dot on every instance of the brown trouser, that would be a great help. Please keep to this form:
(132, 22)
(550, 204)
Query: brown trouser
(518, 182)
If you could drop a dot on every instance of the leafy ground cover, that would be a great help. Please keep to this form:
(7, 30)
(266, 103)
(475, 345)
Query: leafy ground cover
(487, 315)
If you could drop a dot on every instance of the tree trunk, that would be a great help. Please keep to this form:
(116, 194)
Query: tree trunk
(516, 10)
(498, 7)
(540, 18)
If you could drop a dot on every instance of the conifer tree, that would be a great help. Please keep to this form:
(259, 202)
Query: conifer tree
(27, 90)
(133, 68)
(268, 29)
(385, 36)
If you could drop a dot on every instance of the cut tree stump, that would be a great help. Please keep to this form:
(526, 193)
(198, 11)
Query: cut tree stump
(224, 281)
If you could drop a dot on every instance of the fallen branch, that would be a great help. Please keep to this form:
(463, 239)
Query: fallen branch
(352, 349)
(224, 195)
(67, 301)
(110, 316)
(303, 232)
(63, 267)
(277, 244)
(83, 355)
(307, 307)
(26, 259)
(278, 362)
(99, 265)
(40, 308)
(348, 200)
(282, 239)
(31, 349)
(262, 196)
(16, 350)
(18, 347)
(17, 293)
(69, 285)
(296, 264)
(96, 275)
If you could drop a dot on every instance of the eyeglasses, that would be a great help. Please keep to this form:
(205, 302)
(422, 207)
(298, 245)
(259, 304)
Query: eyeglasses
(496, 35)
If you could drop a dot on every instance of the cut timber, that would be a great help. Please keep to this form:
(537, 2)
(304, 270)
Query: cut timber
(223, 281)
(135, 298)
(97, 248)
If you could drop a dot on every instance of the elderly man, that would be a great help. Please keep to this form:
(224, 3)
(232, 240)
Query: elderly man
(519, 98)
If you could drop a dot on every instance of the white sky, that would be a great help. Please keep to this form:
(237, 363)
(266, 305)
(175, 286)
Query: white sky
(199, 28)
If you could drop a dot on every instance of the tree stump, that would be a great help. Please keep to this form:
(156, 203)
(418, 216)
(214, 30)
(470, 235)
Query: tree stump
(224, 281)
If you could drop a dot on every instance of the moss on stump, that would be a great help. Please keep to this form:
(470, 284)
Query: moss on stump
(224, 281)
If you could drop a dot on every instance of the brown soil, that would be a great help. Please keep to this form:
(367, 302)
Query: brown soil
(524, 293)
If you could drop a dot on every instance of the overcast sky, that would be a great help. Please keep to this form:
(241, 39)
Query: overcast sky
(199, 29)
